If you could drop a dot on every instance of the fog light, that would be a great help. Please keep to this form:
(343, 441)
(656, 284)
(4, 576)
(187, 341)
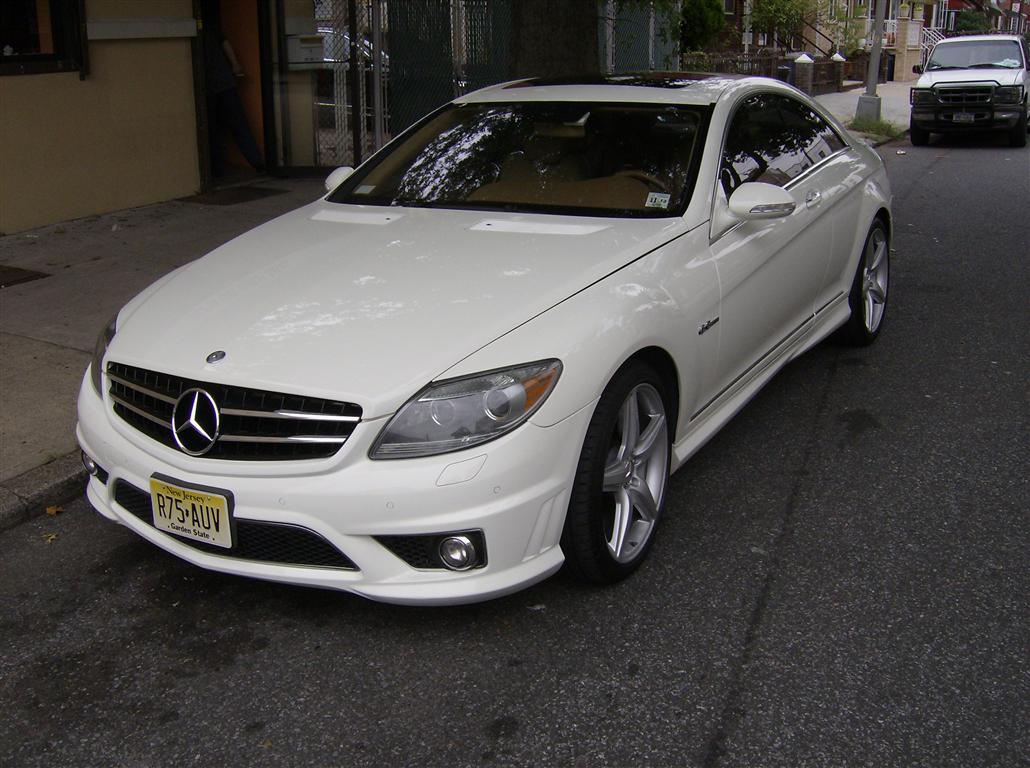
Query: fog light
(89, 464)
(457, 553)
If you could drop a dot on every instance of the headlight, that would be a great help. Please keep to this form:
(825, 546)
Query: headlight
(1008, 94)
(460, 413)
(96, 367)
(920, 96)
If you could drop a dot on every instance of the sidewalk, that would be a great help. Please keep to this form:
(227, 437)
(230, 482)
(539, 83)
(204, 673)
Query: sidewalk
(62, 283)
(894, 107)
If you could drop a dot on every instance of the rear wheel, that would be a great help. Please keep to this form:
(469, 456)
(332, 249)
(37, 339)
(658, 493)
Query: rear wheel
(868, 298)
(919, 137)
(623, 471)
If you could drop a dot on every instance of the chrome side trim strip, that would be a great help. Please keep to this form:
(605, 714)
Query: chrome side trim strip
(830, 303)
(754, 365)
(836, 299)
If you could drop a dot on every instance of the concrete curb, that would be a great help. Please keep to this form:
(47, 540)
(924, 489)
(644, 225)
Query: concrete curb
(29, 494)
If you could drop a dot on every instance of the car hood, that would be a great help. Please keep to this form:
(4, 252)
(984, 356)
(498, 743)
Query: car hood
(987, 76)
(369, 304)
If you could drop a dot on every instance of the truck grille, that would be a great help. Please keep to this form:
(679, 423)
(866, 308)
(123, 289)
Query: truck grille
(965, 95)
(257, 541)
(255, 425)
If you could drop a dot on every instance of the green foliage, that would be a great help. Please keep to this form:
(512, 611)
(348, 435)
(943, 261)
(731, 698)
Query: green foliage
(700, 21)
(782, 15)
(877, 128)
(971, 21)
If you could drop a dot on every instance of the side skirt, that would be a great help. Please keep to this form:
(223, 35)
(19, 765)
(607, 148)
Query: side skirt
(712, 417)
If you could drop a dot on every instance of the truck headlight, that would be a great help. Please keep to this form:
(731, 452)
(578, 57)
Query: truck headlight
(460, 413)
(1008, 94)
(921, 96)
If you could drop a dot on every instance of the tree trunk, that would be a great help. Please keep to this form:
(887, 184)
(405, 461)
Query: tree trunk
(554, 38)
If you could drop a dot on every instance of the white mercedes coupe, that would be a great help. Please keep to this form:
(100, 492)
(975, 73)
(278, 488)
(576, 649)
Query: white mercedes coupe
(483, 352)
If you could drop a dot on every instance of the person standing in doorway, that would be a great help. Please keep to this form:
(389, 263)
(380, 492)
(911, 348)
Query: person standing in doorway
(225, 112)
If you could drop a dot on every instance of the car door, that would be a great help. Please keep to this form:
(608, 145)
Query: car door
(770, 271)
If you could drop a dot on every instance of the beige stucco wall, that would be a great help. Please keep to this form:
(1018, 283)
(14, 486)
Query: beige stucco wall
(123, 137)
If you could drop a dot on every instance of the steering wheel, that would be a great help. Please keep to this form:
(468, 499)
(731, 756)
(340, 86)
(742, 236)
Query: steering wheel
(652, 182)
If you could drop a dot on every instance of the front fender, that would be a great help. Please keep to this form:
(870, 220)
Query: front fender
(659, 300)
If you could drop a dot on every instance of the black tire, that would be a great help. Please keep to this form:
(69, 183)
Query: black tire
(590, 520)
(919, 137)
(1017, 137)
(863, 328)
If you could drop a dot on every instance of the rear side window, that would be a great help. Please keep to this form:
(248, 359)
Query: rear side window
(774, 139)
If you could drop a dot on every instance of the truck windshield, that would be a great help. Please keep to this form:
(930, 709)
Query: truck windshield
(987, 54)
(608, 159)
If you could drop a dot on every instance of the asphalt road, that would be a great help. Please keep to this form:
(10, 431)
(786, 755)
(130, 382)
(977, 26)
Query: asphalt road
(842, 579)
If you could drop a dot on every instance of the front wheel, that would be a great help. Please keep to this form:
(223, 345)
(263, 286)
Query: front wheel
(619, 488)
(1017, 138)
(868, 297)
(919, 137)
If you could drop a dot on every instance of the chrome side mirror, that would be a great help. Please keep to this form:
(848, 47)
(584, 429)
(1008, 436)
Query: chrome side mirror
(337, 177)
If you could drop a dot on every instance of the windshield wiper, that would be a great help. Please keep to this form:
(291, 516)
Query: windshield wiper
(987, 65)
(938, 67)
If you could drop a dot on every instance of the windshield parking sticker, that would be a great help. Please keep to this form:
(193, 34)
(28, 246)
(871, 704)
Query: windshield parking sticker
(657, 200)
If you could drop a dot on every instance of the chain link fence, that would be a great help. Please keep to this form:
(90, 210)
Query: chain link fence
(392, 61)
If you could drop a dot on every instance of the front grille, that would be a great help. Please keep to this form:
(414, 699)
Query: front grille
(255, 425)
(965, 95)
(258, 541)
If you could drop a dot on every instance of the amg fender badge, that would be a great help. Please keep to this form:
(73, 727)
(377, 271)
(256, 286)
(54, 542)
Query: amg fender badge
(706, 325)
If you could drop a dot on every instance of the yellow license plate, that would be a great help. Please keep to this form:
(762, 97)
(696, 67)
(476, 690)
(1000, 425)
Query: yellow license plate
(191, 513)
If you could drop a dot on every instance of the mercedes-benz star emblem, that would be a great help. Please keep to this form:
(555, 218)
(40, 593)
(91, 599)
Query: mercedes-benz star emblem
(195, 422)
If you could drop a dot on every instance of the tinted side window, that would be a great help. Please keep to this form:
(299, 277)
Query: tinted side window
(753, 144)
(774, 139)
(817, 138)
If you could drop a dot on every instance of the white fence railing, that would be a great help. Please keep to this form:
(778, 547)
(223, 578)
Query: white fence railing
(931, 36)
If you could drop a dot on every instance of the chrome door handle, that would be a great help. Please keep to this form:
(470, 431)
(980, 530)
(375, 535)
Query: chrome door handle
(813, 198)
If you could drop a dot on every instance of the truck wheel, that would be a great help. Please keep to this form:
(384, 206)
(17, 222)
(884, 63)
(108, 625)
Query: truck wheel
(920, 137)
(1017, 138)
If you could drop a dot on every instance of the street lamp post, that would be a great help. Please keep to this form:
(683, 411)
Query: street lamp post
(868, 108)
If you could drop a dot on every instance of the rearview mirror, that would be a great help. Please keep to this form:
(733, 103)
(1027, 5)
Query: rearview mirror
(337, 177)
(758, 200)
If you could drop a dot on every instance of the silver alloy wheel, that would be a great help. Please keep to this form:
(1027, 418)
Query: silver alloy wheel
(636, 472)
(875, 273)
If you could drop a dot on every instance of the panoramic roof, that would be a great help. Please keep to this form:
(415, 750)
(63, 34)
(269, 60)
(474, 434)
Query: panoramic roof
(637, 79)
(676, 87)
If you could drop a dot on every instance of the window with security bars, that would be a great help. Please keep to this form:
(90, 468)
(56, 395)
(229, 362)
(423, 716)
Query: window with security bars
(39, 36)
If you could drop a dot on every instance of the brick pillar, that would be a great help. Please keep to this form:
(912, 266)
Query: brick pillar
(803, 73)
(905, 58)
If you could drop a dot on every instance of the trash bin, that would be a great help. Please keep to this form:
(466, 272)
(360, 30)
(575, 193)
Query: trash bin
(785, 73)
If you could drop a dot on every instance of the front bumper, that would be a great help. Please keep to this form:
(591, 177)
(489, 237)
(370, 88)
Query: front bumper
(515, 490)
(985, 117)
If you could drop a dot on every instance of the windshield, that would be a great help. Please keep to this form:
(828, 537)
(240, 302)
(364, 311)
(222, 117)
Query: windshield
(569, 157)
(986, 54)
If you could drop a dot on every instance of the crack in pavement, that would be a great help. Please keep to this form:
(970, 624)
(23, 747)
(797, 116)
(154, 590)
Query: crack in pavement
(731, 715)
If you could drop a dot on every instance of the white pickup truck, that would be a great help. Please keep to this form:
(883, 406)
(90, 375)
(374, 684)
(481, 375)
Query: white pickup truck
(972, 83)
